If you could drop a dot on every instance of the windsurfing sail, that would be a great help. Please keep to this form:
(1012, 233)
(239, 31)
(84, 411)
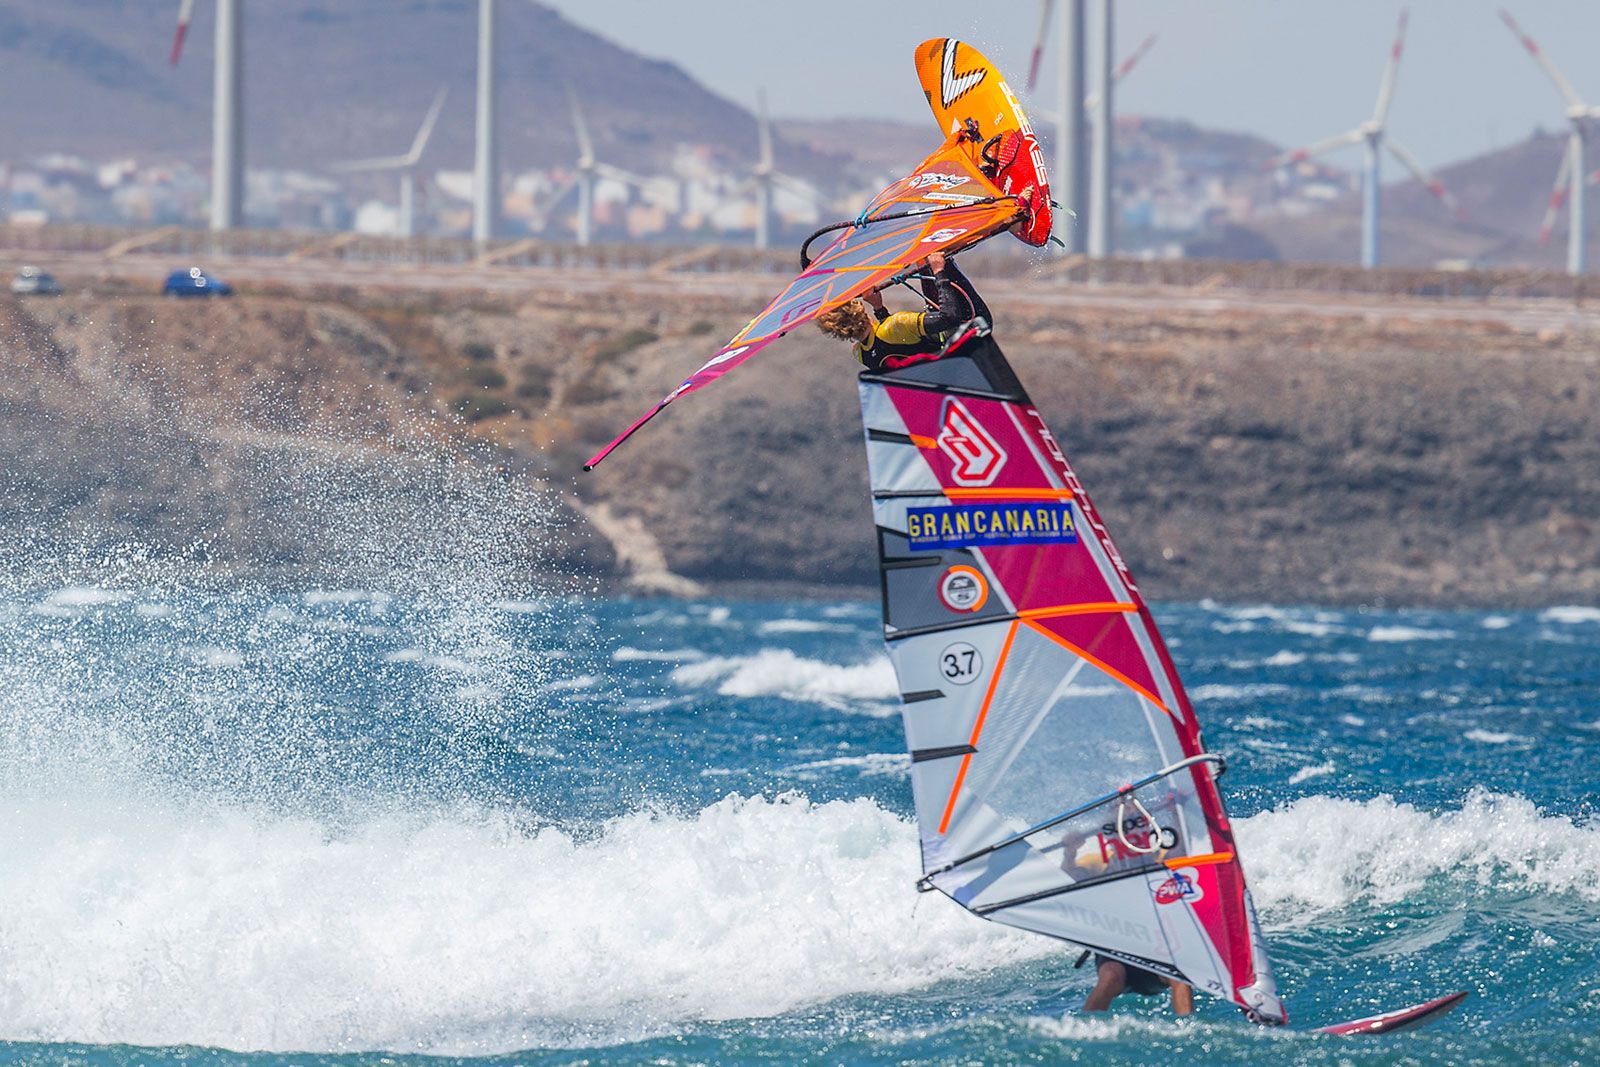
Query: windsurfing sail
(945, 205)
(1060, 778)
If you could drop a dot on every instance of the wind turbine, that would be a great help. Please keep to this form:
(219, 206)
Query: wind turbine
(486, 156)
(406, 165)
(1072, 133)
(1374, 135)
(589, 170)
(227, 109)
(767, 178)
(1082, 112)
(1573, 170)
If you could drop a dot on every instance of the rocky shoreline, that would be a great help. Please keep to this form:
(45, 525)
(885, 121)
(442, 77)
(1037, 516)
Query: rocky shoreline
(1249, 452)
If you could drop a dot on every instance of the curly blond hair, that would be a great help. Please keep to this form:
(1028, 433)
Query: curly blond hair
(847, 321)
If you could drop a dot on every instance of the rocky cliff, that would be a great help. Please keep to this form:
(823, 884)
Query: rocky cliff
(1238, 450)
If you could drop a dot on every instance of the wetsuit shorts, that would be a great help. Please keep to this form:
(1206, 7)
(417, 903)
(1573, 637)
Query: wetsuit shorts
(1141, 982)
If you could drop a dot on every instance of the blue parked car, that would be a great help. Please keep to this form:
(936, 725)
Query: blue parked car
(194, 282)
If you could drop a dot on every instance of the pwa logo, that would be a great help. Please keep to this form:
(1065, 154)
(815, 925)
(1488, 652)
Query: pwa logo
(1183, 885)
(975, 457)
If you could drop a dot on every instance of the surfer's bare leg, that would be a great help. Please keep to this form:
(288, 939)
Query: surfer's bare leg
(1182, 998)
(1111, 978)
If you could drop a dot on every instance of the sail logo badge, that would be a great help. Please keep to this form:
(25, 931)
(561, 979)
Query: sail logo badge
(1183, 885)
(975, 456)
(953, 86)
(962, 589)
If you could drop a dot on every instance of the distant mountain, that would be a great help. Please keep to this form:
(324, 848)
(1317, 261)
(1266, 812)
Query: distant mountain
(330, 80)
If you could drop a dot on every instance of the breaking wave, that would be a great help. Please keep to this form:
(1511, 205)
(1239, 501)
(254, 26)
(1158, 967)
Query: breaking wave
(460, 931)
(1322, 853)
(779, 672)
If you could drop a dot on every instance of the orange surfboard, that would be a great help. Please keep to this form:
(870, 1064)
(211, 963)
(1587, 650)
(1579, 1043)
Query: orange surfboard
(964, 90)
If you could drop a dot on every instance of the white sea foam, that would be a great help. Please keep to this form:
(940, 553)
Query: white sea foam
(1493, 737)
(220, 658)
(344, 597)
(1305, 774)
(671, 655)
(802, 626)
(1223, 691)
(1495, 622)
(1407, 633)
(568, 685)
(458, 932)
(779, 672)
(79, 600)
(521, 607)
(1324, 853)
(873, 764)
(1571, 614)
(422, 657)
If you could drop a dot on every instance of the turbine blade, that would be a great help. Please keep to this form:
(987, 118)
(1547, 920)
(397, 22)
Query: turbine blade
(1423, 175)
(1326, 145)
(1564, 87)
(1045, 8)
(426, 130)
(185, 10)
(799, 188)
(1558, 196)
(1391, 71)
(627, 177)
(378, 163)
(1133, 59)
(764, 127)
(585, 146)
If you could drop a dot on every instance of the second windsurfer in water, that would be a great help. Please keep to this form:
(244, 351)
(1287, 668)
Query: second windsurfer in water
(885, 340)
(1113, 978)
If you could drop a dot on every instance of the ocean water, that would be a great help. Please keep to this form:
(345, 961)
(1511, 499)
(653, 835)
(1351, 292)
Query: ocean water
(320, 826)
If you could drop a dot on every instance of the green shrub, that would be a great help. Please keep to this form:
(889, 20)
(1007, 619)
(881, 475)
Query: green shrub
(477, 350)
(486, 378)
(622, 344)
(701, 327)
(475, 407)
(534, 386)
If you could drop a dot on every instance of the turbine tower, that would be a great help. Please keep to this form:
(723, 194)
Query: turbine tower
(589, 171)
(486, 161)
(1573, 172)
(767, 178)
(227, 109)
(1374, 136)
(406, 165)
(1102, 233)
(1073, 100)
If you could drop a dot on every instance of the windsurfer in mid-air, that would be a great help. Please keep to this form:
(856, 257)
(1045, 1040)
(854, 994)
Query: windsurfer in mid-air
(886, 340)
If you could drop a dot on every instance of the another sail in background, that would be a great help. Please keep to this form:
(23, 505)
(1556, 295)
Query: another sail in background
(1061, 782)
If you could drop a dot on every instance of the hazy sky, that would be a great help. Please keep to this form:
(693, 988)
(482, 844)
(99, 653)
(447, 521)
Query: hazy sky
(1290, 70)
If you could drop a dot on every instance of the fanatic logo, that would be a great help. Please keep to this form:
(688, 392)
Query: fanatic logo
(951, 84)
(975, 458)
